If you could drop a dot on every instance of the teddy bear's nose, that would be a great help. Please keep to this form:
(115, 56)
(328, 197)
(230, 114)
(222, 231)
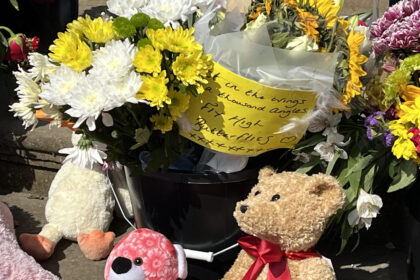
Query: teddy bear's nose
(243, 208)
(121, 265)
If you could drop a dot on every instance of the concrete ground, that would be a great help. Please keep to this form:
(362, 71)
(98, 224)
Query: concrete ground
(29, 161)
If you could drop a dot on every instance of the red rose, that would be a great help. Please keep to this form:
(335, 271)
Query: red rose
(33, 43)
(18, 50)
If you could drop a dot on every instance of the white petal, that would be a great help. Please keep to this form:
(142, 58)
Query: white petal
(353, 218)
(90, 122)
(107, 120)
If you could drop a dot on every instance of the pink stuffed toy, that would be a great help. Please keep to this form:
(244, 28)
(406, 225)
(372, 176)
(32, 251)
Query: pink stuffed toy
(15, 264)
(146, 255)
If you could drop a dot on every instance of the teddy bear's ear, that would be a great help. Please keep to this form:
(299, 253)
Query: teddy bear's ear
(330, 192)
(266, 172)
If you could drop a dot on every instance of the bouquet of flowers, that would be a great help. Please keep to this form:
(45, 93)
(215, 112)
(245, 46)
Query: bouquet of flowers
(122, 82)
(380, 129)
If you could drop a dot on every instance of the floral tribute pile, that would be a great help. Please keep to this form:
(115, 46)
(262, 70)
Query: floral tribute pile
(125, 83)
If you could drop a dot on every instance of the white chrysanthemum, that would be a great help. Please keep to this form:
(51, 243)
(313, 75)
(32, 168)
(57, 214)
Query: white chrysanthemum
(115, 60)
(27, 90)
(41, 67)
(26, 113)
(57, 91)
(124, 90)
(88, 99)
(170, 11)
(125, 8)
(85, 158)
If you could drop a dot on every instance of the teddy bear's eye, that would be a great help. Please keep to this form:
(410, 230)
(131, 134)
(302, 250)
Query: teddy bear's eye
(257, 193)
(275, 197)
(138, 261)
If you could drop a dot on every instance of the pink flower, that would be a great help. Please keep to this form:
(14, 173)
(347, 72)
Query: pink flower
(416, 138)
(17, 52)
(399, 28)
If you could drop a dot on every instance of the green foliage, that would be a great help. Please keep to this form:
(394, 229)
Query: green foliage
(140, 20)
(143, 42)
(123, 27)
(405, 173)
(155, 24)
(14, 4)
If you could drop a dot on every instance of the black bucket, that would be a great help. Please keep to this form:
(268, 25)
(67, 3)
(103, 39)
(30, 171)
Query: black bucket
(196, 211)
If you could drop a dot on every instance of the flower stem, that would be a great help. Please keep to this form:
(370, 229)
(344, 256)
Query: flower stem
(8, 30)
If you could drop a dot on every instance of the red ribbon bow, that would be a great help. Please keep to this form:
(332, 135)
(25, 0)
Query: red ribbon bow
(266, 252)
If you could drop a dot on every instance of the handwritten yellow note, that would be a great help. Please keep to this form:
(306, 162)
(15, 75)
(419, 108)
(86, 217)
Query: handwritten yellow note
(239, 116)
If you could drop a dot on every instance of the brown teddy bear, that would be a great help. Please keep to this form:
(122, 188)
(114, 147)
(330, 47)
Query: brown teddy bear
(285, 214)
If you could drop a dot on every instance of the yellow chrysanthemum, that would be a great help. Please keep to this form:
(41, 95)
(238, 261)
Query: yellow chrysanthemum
(159, 37)
(309, 23)
(356, 71)
(154, 89)
(404, 148)
(148, 60)
(162, 122)
(71, 51)
(182, 40)
(327, 9)
(77, 26)
(179, 102)
(410, 112)
(193, 68)
(97, 30)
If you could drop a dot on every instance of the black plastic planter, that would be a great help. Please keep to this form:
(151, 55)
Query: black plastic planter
(194, 210)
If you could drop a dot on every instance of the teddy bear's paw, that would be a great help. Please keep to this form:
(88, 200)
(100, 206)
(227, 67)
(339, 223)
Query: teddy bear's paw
(38, 246)
(97, 245)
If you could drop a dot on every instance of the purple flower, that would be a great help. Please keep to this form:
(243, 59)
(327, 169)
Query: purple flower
(388, 139)
(391, 115)
(369, 133)
(371, 120)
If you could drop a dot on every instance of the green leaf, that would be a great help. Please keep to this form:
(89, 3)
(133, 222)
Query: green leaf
(306, 167)
(394, 168)
(369, 177)
(352, 191)
(360, 164)
(331, 164)
(408, 175)
(3, 40)
(14, 4)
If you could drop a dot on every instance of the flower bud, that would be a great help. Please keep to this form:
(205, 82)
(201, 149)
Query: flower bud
(18, 51)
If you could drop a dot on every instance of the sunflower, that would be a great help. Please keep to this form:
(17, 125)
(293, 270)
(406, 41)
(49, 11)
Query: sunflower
(193, 69)
(97, 30)
(154, 89)
(71, 51)
(355, 61)
(148, 60)
(309, 23)
(179, 102)
(327, 9)
(162, 122)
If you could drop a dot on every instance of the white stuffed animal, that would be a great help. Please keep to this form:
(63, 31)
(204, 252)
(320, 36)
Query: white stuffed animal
(79, 208)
